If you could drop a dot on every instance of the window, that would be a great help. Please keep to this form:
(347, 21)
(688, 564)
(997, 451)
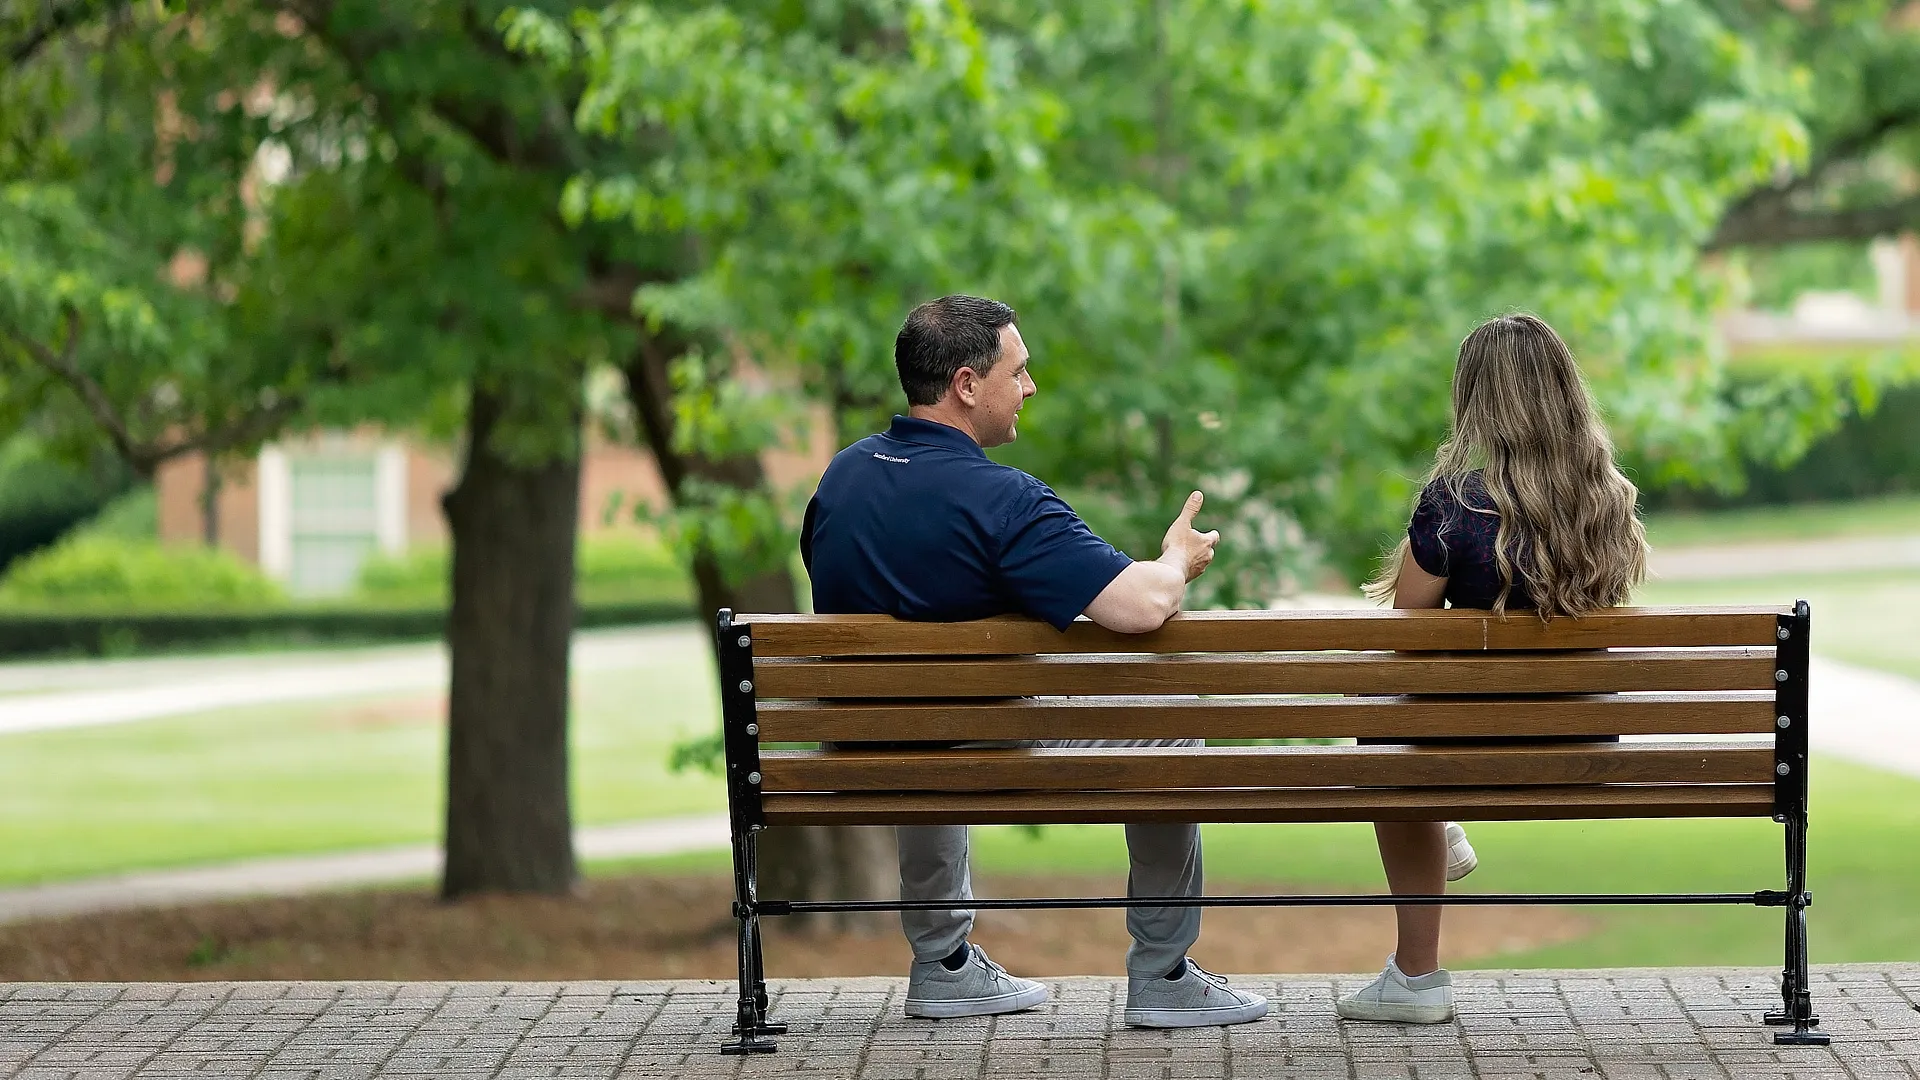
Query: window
(335, 522)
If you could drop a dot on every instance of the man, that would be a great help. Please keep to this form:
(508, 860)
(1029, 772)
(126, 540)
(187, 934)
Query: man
(918, 523)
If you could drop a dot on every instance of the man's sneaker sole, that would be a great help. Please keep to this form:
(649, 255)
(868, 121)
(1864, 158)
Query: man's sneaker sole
(987, 1006)
(1395, 1012)
(1186, 1018)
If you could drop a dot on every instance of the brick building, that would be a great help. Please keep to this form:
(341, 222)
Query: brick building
(309, 510)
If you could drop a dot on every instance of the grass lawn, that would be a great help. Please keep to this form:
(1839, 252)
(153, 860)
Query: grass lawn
(1870, 619)
(1891, 516)
(1866, 824)
(326, 776)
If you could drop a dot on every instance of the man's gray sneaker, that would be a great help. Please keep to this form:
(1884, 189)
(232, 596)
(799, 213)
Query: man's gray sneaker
(980, 988)
(1198, 998)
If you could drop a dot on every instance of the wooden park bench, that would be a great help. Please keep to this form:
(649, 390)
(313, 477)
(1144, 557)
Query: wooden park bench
(1699, 674)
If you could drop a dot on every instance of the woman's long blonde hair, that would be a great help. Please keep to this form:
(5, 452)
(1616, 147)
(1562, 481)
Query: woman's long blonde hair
(1523, 415)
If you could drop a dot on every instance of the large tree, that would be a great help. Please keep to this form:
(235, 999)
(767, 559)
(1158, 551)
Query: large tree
(244, 214)
(405, 262)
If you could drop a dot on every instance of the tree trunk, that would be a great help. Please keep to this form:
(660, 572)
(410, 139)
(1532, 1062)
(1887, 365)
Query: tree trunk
(509, 825)
(801, 862)
(209, 501)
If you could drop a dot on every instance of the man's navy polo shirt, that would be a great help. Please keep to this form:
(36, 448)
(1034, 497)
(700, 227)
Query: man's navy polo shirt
(919, 523)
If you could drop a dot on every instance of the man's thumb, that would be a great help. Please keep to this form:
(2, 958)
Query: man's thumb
(1188, 511)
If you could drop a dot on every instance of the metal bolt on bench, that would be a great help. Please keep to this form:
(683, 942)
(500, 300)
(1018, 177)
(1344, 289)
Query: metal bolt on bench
(1503, 719)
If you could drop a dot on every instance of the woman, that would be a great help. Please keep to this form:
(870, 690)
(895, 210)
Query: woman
(1524, 510)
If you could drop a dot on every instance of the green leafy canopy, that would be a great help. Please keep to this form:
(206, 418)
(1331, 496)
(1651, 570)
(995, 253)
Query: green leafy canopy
(1244, 238)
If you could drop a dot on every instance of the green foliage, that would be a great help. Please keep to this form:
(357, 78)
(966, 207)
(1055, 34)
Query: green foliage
(131, 205)
(134, 515)
(1806, 424)
(420, 574)
(43, 496)
(102, 571)
(1244, 239)
(611, 562)
(214, 221)
(1868, 450)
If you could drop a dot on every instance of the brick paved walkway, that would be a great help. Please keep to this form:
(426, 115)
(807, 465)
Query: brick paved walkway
(1666, 1024)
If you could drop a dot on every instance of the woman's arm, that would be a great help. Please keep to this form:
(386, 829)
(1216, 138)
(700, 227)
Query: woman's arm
(1415, 588)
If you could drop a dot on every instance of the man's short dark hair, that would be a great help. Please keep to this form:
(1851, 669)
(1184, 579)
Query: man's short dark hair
(942, 336)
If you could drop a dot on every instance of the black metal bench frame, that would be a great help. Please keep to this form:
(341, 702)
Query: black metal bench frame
(755, 1031)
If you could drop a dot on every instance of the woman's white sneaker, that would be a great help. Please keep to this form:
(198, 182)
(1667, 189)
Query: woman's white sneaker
(1393, 997)
(1198, 998)
(980, 988)
(1460, 857)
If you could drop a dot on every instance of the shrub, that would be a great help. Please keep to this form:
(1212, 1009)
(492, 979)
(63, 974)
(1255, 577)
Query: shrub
(103, 570)
(1867, 455)
(618, 565)
(418, 576)
(43, 496)
(132, 516)
(606, 566)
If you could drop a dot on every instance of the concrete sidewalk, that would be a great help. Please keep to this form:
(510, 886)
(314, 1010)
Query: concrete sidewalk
(1662, 1024)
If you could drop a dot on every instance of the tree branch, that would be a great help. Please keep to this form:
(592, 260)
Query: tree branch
(143, 458)
(1774, 222)
(493, 127)
(1767, 215)
(58, 20)
(62, 367)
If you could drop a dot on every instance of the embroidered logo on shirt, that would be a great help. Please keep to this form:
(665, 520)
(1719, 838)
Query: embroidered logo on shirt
(895, 460)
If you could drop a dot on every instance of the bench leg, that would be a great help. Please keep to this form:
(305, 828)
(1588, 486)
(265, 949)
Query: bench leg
(750, 1025)
(766, 1026)
(1789, 970)
(1796, 990)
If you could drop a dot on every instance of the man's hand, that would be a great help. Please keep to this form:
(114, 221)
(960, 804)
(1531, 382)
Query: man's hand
(1147, 594)
(1185, 549)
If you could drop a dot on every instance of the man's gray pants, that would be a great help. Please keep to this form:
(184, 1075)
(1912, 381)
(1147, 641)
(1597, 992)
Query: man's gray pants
(1164, 861)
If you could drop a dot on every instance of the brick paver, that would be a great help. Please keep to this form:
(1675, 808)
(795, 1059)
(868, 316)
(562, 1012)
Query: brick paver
(1665, 1024)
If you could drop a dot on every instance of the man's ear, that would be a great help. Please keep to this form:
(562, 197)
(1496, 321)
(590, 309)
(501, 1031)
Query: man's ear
(965, 386)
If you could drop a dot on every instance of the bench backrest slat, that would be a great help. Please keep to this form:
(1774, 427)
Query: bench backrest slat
(1593, 671)
(1283, 804)
(1725, 713)
(1265, 631)
(1160, 768)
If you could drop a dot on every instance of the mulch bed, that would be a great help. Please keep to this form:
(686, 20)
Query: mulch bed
(677, 928)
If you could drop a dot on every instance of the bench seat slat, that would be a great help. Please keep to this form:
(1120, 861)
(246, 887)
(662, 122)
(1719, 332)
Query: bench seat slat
(1274, 805)
(1103, 769)
(1270, 673)
(1718, 713)
(1265, 631)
